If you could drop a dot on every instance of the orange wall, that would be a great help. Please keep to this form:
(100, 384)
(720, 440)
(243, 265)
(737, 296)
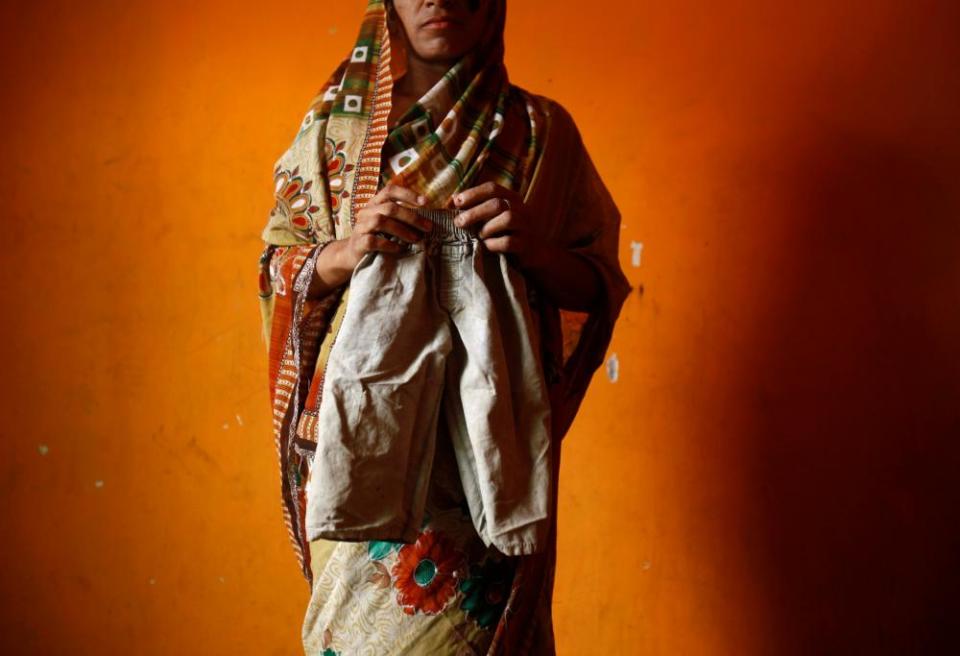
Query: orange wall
(771, 473)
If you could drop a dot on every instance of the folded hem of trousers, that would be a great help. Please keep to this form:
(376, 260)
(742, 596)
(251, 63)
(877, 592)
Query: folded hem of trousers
(387, 533)
(520, 547)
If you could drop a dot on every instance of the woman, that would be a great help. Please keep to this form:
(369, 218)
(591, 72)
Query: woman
(421, 114)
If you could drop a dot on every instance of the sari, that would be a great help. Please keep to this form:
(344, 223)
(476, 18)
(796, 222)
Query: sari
(446, 592)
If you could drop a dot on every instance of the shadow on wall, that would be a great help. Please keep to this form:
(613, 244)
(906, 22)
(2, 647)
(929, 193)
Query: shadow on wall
(857, 442)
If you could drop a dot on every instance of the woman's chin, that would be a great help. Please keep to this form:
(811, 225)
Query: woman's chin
(441, 50)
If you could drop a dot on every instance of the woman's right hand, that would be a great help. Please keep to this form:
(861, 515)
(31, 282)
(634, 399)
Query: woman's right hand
(382, 214)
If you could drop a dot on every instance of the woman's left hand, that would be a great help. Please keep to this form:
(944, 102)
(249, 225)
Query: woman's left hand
(506, 225)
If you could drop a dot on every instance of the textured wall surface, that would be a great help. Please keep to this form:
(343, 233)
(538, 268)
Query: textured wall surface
(771, 472)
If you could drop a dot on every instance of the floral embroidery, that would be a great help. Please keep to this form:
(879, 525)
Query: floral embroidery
(379, 549)
(486, 591)
(427, 573)
(293, 200)
(337, 168)
(381, 576)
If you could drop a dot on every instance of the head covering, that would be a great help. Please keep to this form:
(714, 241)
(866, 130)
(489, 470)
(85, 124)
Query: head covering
(444, 141)
(457, 135)
(471, 127)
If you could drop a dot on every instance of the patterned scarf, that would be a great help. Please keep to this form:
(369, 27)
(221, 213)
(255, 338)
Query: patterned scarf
(463, 131)
(456, 130)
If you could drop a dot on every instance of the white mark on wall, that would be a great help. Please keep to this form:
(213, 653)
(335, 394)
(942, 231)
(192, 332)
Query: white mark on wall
(221, 579)
(152, 581)
(43, 449)
(646, 565)
(98, 483)
(239, 420)
(613, 368)
(226, 425)
(636, 248)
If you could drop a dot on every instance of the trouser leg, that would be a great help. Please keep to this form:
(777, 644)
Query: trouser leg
(496, 402)
(379, 406)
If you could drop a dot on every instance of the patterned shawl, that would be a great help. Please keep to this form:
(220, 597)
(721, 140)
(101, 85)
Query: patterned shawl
(473, 126)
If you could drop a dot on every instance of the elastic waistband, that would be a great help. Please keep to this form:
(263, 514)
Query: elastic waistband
(443, 227)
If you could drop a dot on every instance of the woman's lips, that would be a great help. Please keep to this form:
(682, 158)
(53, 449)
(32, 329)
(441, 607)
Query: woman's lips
(440, 24)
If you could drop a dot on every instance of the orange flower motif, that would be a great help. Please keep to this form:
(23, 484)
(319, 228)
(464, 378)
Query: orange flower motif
(427, 573)
(337, 169)
(293, 199)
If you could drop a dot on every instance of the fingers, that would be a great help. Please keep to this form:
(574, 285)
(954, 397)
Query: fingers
(404, 214)
(387, 226)
(476, 195)
(399, 194)
(391, 226)
(373, 242)
(498, 224)
(504, 244)
(394, 220)
(485, 211)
